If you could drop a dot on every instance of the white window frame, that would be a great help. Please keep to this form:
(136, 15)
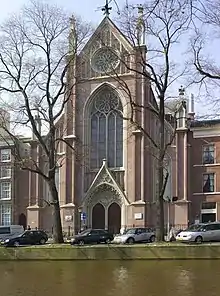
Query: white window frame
(1, 191)
(6, 152)
(208, 175)
(6, 168)
(208, 149)
(6, 212)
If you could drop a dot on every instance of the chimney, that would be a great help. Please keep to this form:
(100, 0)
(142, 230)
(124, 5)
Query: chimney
(191, 110)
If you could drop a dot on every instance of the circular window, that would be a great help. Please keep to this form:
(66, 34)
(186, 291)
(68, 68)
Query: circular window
(104, 60)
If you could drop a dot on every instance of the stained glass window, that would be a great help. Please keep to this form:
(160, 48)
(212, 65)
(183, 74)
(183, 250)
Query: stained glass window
(106, 129)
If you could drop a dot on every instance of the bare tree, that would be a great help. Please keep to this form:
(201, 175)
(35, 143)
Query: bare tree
(207, 36)
(163, 24)
(36, 49)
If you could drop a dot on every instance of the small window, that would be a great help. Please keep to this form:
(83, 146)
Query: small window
(5, 190)
(209, 205)
(208, 154)
(5, 230)
(6, 214)
(5, 172)
(5, 155)
(209, 182)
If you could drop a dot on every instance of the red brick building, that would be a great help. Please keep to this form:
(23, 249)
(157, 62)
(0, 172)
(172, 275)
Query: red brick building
(14, 184)
(114, 181)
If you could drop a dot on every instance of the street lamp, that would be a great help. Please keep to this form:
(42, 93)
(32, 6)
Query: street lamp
(79, 211)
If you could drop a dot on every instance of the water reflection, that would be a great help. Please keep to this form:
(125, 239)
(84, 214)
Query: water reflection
(184, 281)
(121, 282)
(131, 278)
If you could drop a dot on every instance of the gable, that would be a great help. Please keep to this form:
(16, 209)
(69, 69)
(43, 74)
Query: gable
(106, 35)
(104, 177)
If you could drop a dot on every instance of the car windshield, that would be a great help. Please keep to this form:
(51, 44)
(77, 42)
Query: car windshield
(194, 227)
(85, 232)
(19, 235)
(130, 231)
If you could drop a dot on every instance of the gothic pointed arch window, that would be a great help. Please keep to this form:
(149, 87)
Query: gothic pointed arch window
(106, 129)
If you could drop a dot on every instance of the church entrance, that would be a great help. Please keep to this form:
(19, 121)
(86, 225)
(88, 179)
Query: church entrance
(98, 216)
(114, 218)
(22, 220)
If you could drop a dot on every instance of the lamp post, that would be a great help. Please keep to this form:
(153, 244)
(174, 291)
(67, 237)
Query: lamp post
(79, 211)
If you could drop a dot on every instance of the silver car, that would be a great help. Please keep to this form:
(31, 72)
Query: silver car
(135, 235)
(204, 232)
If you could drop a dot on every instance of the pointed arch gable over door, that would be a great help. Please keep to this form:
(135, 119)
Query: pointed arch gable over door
(104, 127)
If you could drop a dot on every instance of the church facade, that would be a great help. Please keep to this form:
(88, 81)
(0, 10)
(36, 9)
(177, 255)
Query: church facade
(111, 171)
(110, 181)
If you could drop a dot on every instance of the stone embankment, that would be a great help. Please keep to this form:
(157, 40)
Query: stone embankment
(113, 252)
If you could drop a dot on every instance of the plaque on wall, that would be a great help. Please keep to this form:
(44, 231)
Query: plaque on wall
(138, 216)
(68, 218)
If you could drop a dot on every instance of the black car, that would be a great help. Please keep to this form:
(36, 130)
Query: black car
(91, 236)
(29, 237)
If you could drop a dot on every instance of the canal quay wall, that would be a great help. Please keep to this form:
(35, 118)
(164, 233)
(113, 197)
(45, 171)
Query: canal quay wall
(112, 252)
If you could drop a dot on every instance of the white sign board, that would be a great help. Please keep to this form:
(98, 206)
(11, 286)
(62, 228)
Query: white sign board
(138, 216)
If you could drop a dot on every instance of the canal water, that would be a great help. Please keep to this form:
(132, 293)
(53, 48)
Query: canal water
(108, 278)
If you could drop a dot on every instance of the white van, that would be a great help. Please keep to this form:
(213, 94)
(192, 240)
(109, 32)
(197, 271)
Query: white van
(10, 231)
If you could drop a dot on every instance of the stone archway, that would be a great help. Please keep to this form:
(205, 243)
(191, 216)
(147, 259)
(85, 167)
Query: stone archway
(114, 218)
(98, 216)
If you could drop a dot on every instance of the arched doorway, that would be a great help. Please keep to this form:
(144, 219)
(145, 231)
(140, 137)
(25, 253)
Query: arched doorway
(98, 216)
(22, 220)
(114, 218)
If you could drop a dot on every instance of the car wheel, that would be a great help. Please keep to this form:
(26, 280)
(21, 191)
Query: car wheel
(130, 240)
(108, 241)
(198, 240)
(81, 242)
(152, 239)
(16, 244)
(42, 241)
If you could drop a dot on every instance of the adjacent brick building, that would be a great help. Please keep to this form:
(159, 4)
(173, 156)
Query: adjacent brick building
(14, 187)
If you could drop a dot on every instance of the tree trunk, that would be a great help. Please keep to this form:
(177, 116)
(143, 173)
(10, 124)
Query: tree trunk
(57, 226)
(159, 201)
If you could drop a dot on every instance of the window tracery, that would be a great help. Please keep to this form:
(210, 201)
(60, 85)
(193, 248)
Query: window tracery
(106, 133)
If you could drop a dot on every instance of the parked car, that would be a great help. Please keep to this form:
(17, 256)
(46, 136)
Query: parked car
(91, 236)
(10, 231)
(28, 237)
(135, 235)
(203, 232)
